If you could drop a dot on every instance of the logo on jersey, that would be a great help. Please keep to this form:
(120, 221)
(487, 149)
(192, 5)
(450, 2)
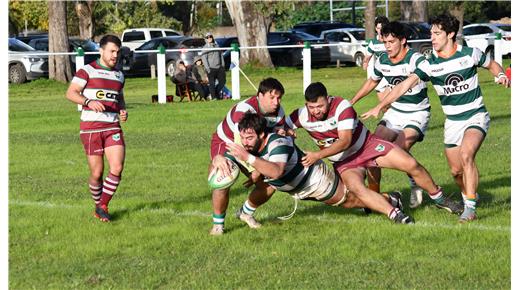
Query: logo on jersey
(102, 95)
(116, 137)
(396, 80)
(380, 148)
(451, 84)
(325, 142)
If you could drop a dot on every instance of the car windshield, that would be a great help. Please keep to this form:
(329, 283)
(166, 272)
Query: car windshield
(17, 45)
(87, 45)
(306, 36)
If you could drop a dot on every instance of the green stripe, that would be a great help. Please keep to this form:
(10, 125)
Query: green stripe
(283, 149)
(413, 99)
(466, 115)
(461, 99)
(409, 112)
(333, 190)
(478, 128)
(421, 135)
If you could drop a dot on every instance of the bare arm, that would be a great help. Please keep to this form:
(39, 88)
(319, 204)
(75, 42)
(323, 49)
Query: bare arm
(342, 144)
(366, 60)
(74, 95)
(394, 94)
(498, 72)
(267, 168)
(368, 86)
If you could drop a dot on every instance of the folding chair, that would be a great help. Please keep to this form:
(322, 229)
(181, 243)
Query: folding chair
(183, 91)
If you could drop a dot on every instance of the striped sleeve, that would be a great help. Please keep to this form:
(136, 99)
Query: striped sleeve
(479, 58)
(81, 78)
(280, 150)
(346, 116)
(422, 70)
(293, 120)
(376, 73)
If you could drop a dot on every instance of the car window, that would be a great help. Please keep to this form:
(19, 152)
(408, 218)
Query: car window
(133, 36)
(170, 44)
(484, 30)
(359, 35)
(155, 33)
(274, 38)
(17, 45)
(505, 27)
(87, 45)
(306, 36)
(171, 33)
(331, 36)
(468, 31)
(196, 42)
(150, 45)
(41, 45)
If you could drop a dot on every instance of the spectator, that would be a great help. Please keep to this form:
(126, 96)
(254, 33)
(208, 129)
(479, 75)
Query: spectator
(199, 74)
(214, 63)
(183, 76)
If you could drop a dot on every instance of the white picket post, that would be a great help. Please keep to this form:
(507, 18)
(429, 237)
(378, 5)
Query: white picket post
(80, 62)
(306, 65)
(161, 71)
(235, 72)
(498, 47)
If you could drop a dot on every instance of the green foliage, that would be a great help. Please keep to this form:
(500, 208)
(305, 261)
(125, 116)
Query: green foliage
(162, 209)
(207, 18)
(35, 12)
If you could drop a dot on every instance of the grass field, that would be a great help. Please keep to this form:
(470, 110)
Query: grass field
(162, 210)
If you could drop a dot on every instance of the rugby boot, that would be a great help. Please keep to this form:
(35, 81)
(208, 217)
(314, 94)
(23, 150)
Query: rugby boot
(217, 230)
(101, 213)
(248, 219)
(451, 206)
(416, 197)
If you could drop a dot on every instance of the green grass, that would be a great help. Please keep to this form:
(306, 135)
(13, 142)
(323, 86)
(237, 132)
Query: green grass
(162, 210)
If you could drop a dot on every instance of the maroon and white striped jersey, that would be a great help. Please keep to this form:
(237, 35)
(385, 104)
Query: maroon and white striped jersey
(105, 85)
(227, 129)
(341, 116)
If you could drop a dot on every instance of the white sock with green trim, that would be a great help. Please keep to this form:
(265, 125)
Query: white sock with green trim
(218, 219)
(247, 208)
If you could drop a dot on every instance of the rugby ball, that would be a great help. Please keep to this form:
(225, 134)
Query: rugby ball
(217, 180)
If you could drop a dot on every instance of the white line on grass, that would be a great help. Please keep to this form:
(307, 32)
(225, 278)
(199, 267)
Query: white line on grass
(473, 226)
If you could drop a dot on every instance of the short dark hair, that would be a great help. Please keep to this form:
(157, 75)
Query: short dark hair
(110, 38)
(314, 91)
(394, 28)
(253, 121)
(448, 23)
(381, 19)
(270, 84)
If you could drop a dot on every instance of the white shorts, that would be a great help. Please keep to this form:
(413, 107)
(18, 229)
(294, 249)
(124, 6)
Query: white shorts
(454, 130)
(321, 185)
(398, 121)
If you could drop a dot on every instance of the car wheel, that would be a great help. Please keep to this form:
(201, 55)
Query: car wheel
(358, 59)
(170, 68)
(17, 74)
(427, 52)
(490, 52)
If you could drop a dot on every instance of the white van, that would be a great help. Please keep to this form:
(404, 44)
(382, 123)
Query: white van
(135, 37)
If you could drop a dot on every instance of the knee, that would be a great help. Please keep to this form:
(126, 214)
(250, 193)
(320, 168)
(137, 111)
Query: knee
(456, 172)
(466, 158)
(96, 174)
(116, 169)
(357, 189)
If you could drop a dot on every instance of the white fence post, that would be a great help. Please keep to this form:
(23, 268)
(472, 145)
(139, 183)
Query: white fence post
(498, 47)
(80, 62)
(306, 65)
(235, 72)
(161, 71)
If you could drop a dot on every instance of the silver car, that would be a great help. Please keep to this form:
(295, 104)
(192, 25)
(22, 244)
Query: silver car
(482, 36)
(353, 49)
(23, 67)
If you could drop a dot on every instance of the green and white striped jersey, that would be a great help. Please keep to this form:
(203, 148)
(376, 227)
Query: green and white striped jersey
(416, 98)
(283, 149)
(456, 81)
(375, 47)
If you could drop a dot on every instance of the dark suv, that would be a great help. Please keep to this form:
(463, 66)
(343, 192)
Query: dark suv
(316, 27)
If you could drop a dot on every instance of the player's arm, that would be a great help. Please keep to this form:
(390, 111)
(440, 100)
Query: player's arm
(342, 144)
(366, 60)
(123, 114)
(368, 86)
(74, 95)
(394, 94)
(267, 168)
(497, 70)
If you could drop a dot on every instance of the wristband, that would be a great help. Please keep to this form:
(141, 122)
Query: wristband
(251, 159)
(501, 75)
(86, 102)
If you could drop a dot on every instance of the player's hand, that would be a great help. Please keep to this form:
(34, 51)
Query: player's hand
(504, 80)
(290, 133)
(310, 158)
(96, 106)
(123, 115)
(222, 164)
(254, 178)
(237, 151)
(281, 132)
(374, 112)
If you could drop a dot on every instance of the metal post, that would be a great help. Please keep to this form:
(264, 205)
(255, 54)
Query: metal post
(498, 47)
(306, 65)
(235, 72)
(80, 62)
(161, 71)
(331, 13)
(386, 8)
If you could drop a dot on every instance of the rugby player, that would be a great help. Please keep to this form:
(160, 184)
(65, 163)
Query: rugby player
(278, 159)
(452, 69)
(374, 50)
(406, 121)
(98, 87)
(333, 124)
(266, 103)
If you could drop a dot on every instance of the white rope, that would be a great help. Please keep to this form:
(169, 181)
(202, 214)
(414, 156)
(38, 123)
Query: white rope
(289, 216)
(250, 82)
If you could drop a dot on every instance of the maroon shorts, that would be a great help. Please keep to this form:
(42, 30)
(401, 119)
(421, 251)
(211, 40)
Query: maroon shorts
(218, 147)
(366, 156)
(96, 142)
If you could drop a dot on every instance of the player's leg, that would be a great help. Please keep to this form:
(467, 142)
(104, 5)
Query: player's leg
(219, 202)
(405, 140)
(455, 164)
(399, 159)
(374, 173)
(96, 166)
(261, 193)
(354, 180)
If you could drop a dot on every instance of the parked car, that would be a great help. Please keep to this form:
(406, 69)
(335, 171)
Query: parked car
(135, 37)
(75, 43)
(482, 36)
(226, 42)
(316, 27)
(28, 37)
(354, 49)
(419, 31)
(140, 62)
(23, 67)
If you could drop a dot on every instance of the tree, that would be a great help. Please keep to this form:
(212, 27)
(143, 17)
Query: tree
(406, 10)
(84, 11)
(59, 65)
(419, 10)
(252, 28)
(370, 17)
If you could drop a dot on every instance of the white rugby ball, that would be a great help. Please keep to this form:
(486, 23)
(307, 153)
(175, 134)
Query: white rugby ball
(217, 180)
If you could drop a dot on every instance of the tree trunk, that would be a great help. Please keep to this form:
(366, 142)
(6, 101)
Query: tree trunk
(420, 10)
(84, 11)
(406, 10)
(59, 65)
(457, 10)
(251, 27)
(370, 17)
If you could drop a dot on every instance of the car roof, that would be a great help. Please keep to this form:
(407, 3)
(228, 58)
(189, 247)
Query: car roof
(343, 29)
(487, 24)
(145, 28)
